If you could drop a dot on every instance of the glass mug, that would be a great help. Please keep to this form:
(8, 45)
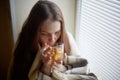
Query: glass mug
(57, 52)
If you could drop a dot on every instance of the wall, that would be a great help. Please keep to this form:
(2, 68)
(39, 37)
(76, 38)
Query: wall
(23, 7)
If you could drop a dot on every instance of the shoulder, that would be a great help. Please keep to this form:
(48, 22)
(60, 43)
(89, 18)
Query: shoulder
(70, 37)
(69, 34)
(73, 45)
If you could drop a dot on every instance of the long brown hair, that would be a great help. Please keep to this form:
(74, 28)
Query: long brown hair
(27, 43)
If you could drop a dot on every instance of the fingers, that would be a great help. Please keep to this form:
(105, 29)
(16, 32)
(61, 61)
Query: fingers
(46, 49)
(44, 46)
(47, 60)
(55, 65)
(59, 61)
(47, 54)
(58, 67)
(64, 55)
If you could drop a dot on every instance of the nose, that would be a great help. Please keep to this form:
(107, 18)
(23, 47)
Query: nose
(52, 39)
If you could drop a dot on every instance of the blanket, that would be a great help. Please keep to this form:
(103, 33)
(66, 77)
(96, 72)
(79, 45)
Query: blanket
(77, 70)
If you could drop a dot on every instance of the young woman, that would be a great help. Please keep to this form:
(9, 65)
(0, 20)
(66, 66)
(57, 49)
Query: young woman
(43, 28)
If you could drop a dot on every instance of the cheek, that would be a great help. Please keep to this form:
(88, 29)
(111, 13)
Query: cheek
(57, 37)
(42, 40)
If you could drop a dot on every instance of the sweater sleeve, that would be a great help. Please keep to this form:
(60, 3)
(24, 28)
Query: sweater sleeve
(35, 73)
(73, 45)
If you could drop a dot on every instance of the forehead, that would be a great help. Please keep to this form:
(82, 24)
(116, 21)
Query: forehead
(50, 26)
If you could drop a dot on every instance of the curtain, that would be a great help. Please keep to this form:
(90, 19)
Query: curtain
(98, 36)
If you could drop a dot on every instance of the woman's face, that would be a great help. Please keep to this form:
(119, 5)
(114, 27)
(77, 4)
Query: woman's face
(50, 31)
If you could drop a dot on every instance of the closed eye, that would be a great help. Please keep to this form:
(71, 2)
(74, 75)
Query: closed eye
(56, 33)
(44, 33)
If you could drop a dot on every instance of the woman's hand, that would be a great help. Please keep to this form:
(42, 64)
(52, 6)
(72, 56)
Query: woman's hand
(58, 65)
(46, 59)
(46, 53)
(48, 62)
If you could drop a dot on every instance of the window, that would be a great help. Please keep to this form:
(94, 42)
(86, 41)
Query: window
(98, 36)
